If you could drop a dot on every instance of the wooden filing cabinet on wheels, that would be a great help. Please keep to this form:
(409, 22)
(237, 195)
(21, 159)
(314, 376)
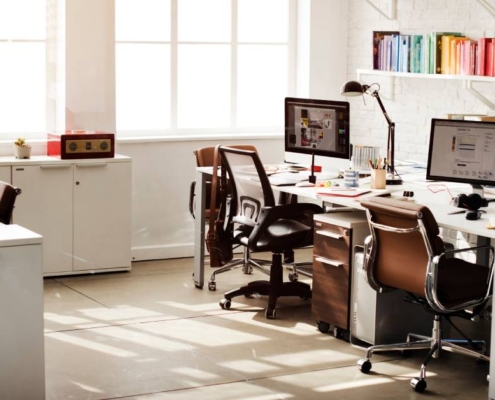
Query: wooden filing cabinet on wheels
(335, 236)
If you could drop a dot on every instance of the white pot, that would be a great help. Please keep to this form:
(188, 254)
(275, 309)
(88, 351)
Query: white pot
(22, 151)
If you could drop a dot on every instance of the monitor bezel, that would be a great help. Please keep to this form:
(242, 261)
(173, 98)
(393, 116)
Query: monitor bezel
(320, 103)
(468, 181)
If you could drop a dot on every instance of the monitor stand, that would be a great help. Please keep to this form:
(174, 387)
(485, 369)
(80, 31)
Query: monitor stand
(478, 189)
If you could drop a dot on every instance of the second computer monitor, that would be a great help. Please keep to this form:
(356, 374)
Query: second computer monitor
(462, 151)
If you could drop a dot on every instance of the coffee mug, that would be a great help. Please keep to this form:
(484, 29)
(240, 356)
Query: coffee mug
(351, 178)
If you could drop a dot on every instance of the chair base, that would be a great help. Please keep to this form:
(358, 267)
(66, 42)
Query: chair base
(274, 288)
(435, 344)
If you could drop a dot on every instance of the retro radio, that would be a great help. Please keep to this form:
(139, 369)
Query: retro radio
(81, 144)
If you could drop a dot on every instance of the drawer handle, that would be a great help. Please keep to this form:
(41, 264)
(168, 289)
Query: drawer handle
(55, 166)
(330, 234)
(94, 165)
(329, 262)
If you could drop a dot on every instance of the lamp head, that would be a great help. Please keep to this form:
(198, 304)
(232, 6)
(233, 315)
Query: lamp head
(353, 88)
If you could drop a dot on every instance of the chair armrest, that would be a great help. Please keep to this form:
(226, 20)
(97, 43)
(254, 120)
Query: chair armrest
(192, 195)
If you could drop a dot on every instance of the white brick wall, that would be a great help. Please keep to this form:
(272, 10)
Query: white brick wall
(411, 103)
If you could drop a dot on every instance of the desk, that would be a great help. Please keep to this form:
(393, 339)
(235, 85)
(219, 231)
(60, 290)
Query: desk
(437, 202)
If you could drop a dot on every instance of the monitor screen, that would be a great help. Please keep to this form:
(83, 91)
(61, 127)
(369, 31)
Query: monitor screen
(319, 127)
(462, 151)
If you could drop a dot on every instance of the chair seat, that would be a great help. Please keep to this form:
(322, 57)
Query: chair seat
(283, 235)
(460, 281)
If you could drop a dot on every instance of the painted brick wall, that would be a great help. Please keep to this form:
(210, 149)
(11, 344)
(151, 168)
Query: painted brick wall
(411, 103)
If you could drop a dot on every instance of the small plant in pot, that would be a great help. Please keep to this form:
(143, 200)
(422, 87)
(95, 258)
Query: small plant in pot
(22, 149)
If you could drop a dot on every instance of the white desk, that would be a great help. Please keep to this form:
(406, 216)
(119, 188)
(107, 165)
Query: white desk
(437, 202)
(22, 366)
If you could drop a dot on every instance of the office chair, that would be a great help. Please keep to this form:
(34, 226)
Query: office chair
(405, 252)
(8, 195)
(260, 225)
(205, 158)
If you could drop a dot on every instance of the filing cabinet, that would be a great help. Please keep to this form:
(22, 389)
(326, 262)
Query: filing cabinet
(335, 236)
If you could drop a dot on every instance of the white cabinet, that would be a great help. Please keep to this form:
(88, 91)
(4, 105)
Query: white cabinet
(5, 173)
(22, 366)
(83, 210)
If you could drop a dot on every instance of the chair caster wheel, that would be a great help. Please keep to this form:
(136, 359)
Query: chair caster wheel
(322, 326)
(418, 384)
(340, 333)
(212, 286)
(225, 304)
(364, 366)
(293, 277)
(270, 313)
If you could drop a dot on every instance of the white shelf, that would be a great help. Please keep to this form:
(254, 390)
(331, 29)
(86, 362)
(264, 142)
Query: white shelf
(467, 80)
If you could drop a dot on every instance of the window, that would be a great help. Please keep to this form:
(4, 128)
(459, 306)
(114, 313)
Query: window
(22, 68)
(202, 66)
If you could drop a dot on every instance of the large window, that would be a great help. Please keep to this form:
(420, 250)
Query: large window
(202, 66)
(22, 68)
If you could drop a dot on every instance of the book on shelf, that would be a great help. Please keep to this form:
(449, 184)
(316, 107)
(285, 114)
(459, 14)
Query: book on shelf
(404, 53)
(416, 54)
(437, 49)
(378, 37)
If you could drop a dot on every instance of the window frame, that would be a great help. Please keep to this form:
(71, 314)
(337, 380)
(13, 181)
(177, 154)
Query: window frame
(239, 132)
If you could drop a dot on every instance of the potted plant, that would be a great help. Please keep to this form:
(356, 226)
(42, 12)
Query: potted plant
(22, 149)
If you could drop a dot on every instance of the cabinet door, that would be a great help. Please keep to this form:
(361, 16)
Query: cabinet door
(5, 174)
(45, 207)
(102, 215)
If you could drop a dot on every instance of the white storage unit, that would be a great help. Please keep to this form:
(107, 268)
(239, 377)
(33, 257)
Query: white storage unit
(81, 207)
(22, 366)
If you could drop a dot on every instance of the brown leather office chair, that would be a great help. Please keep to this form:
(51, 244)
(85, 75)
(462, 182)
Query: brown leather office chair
(261, 225)
(405, 252)
(8, 195)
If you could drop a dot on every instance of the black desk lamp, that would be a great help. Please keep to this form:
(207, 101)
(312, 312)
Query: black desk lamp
(354, 88)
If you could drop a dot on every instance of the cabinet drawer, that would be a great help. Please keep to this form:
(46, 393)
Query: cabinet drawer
(332, 242)
(331, 284)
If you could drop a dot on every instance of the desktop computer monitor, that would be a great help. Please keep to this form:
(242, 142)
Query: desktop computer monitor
(462, 151)
(318, 128)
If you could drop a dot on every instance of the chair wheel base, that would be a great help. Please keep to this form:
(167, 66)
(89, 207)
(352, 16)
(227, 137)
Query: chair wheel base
(418, 384)
(364, 365)
(293, 277)
(225, 304)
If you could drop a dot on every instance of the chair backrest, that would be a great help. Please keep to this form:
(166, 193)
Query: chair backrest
(251, 188)
(204, 158)
(8, 195)
(404, 239)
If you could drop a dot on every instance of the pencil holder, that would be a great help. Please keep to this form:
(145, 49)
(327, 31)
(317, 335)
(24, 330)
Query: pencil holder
(378, 178)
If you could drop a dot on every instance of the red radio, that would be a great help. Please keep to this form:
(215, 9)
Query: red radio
(81, 144)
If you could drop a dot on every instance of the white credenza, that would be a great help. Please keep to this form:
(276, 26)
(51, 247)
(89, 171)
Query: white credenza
(81, 207)
(22, 366)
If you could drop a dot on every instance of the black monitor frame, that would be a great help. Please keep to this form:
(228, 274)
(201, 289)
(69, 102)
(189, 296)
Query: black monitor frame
(343, 121)
(475, 181)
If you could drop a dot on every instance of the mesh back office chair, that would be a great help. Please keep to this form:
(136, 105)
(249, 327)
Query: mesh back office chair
(8, 195)
(405, 252)
(205, 158)
(260, 225)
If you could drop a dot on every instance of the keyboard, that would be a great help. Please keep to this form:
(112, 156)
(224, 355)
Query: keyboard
(288, 178)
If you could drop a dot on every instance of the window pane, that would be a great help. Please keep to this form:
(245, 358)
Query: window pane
(204, 86)
(143, 86)
(263, 21)
(23, 19)
(23, 82)
(142, 20)
(204, 20)
(262, 85)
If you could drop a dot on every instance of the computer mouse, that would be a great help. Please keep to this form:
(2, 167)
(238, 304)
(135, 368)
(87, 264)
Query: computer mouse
(304, 184)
